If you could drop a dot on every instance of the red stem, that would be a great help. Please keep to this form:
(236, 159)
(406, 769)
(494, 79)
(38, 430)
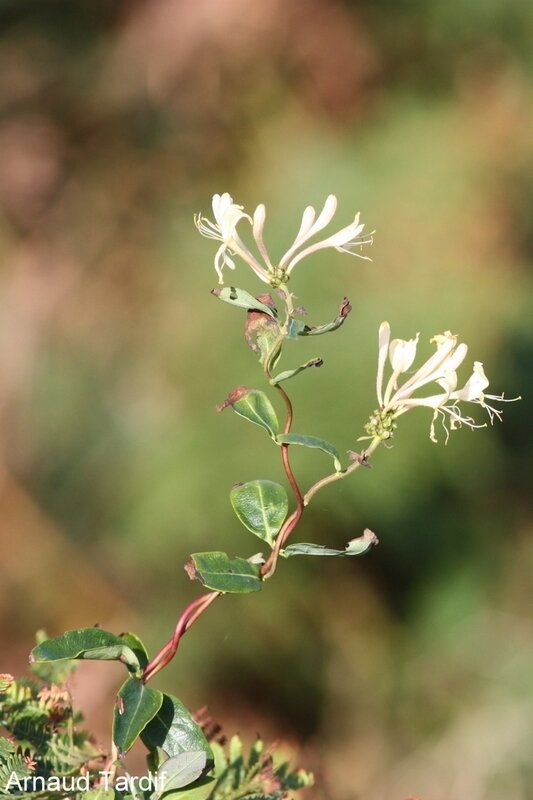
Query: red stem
(193, 611)
(269, 567)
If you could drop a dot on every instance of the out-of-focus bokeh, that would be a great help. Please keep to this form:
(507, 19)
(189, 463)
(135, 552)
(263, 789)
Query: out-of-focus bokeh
(407, 671)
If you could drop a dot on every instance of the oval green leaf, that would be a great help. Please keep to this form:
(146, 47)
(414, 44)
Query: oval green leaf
(180, 771)
(243, 299)
(306, 549)
(86, 643)
(255, 406)
(221, 573)
(298, 328)
(290, 373)
(136, 706)
(312, 441)
(355, 547)
(173, 730)
(261, 506)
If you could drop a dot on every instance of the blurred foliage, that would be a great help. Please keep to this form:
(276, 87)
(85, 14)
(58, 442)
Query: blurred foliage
(117, 122)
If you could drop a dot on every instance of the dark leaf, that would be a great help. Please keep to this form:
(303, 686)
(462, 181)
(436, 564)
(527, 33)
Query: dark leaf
(174, 730)
(261, 506)
(86, 643)
(221, 573)
(314, 442)
(136, 706)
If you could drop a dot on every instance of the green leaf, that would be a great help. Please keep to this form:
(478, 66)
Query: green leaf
(173, 730)
(359, 545)
(311, 441)
(243, 299)
(305, 549)
(136, 706)
(99, 794)
(180, 771)
(290, 373)
(261, 506)
(221, 573)
(201, 790)
(255, 406)
(355, 547)
(134, 643)
(86, 643)
(297, 328)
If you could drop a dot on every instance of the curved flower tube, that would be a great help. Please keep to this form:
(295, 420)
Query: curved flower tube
(227, 216)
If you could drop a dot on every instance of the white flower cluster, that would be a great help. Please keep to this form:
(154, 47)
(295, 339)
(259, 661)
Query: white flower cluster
(395, 399)
(224, 229)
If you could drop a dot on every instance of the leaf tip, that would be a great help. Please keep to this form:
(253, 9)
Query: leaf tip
(345, 308)
(190, 569)
(370, 537)
(233, 397)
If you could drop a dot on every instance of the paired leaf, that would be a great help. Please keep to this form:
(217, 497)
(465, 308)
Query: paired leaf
(136, 706)
(312, 441)
(243, 299)
(254, 406)
(88, 643)
(221, 573)
(297, 328)
(355, 547)
(174, 731)
(290, 373)
(261, 506)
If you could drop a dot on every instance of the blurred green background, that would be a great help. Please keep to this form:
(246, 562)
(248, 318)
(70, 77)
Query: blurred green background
(408, 671)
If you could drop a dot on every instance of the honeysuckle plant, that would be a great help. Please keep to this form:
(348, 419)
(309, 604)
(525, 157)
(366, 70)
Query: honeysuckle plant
(182, 748)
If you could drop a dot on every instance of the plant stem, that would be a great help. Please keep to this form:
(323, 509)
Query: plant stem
(193, 611)
(337, 476)
(269, 567)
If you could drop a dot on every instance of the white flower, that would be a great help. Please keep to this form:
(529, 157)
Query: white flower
(394, 400)
(227, 216)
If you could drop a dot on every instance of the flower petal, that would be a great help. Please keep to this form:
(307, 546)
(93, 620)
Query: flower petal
(402, 353)
(475, 385)
(309, 227)
(258, 226)
(383, 344)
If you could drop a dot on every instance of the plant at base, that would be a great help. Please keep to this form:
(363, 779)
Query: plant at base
(195, 767)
